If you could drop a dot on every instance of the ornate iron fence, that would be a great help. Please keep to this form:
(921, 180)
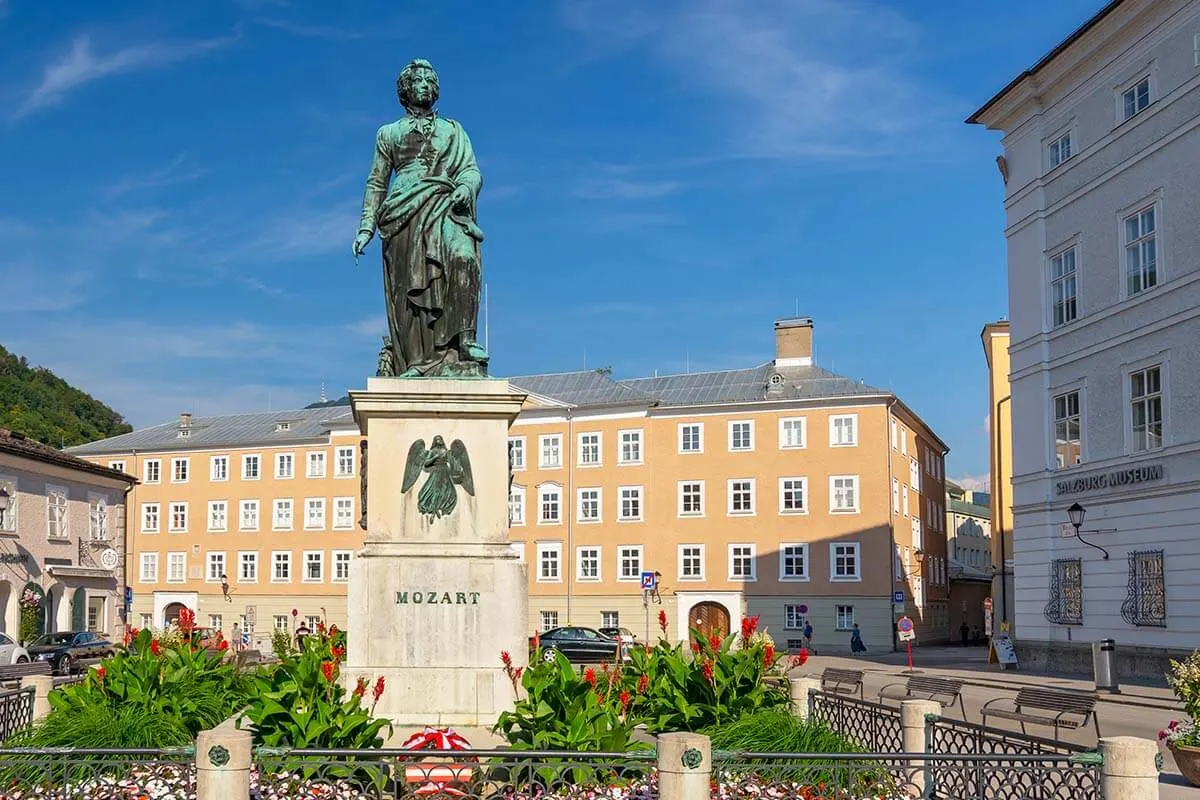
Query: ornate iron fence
(944, 735)
(69, 774)
(16, 711)
(872, 726)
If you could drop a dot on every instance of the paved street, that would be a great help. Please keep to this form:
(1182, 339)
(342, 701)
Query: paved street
(1138, 711)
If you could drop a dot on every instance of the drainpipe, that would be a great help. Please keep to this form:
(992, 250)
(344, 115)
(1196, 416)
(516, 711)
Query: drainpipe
(568, 504)
(891, 524)
(122, 584)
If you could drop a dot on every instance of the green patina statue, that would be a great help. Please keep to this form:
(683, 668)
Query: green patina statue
(447, 469)
(421, 195)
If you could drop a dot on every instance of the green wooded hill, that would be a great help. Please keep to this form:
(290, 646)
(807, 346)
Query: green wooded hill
(36, 402)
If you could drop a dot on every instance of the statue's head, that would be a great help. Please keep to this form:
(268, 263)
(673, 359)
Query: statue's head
(438, 441)
(417, 85)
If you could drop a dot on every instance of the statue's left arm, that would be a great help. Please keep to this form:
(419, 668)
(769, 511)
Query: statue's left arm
(468, 174)
(377, 183)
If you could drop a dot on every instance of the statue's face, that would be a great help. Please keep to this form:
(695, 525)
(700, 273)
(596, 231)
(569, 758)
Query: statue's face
(422, 88)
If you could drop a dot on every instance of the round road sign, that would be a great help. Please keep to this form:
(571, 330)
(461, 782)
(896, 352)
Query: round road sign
(904, 625)
(803, 608)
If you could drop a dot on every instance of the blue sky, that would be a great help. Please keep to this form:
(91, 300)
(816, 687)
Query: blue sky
(182, 181)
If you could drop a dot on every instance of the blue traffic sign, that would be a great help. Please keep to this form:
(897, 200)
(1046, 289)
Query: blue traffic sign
(897, 597)
(905, 625)
(649, 581)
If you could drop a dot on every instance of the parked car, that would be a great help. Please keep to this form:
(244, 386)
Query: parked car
(580, 645)
(66, 650)
(625, 635)
(11, 652)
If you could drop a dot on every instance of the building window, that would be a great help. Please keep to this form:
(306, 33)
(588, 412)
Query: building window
(218, 468)
(146, 620)
(914, 475)
(248, 568)
(793, 562)
(895, 435)
(843, 493)
(282, 518)
(587, 560)
(741, 562)
(1060, 150)
(1145, 392)
(516, 452)
(549, 620)
(631, 503)
(629, 563)
(916, 534)
(895, 495)
(843, 430)
(610, 619)
(741, 496)
(152, 472)
(218, 516)
(691, 498)
(281, 567)
(216, 566)
(904, 441)
(843, 559)
(250, 468)
(1063, 288)
(150, 512)
(149, 571)
(691, 437)
(1067, 450)
(551, 449)
(343, 513)
(179, 470)
(285, 465)
(589, 449)
(550, 499)
(281, 622)
(179, 517)
(691, 562)
(341, 566)
(1066, 592)
(119, 466)
(345, 462)
(516, 506)
(176, 567)
(1135, 99)
(1141, 252)
(793, 433)
(314, 566)
(314, 513)
(1146, 603)
(741, 435)
(589, 505)
(631, 447)
(793, 619)
(549, 562)
(311, 621)
(844, 616)
(904, 498)
(793, 495)
(316, 464)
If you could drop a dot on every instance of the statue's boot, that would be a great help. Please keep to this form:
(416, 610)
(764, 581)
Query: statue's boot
(471, 350)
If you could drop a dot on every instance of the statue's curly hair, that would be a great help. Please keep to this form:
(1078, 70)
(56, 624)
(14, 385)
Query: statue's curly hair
(404, 81)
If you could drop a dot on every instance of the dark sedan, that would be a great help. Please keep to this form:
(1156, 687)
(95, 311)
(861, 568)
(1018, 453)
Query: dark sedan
(580, 645)
(67, 650)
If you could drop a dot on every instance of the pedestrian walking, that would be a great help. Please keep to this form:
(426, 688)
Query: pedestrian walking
(965, 632)
(856, 642)
(808, 634)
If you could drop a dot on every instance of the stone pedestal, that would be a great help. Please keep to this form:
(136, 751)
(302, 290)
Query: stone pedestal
(434, 600)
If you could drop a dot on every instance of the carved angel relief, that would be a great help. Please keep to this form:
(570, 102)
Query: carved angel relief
(446, 468)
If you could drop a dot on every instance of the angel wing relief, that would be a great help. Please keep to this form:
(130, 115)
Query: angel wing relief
(447, 469)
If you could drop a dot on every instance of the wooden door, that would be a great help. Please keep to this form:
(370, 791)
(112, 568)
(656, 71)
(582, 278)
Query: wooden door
(711, 619)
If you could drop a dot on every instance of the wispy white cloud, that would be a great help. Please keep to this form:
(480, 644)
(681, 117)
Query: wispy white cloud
(310, 31)
(82, 65)
(975, 483)
(29, 288)
(177, 170)
(625, 189)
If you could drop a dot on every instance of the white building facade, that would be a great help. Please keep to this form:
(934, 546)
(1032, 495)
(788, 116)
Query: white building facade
(1102, 171)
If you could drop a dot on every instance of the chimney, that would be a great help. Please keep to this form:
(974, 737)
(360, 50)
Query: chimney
(794, 342)
(185, 419)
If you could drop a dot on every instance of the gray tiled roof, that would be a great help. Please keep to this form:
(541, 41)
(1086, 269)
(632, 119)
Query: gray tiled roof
(232, 430)
(587, 388)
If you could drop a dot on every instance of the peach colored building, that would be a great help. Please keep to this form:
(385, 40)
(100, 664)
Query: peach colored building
(781, 490)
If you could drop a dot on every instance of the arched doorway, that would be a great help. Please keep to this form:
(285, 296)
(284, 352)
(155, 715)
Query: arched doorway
(10, 615)
(58, 610)
(711, 619)
(171, 614)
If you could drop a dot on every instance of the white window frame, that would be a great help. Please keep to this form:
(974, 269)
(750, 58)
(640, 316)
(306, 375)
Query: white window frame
(340, 523)
(903, 441)
(793, 620)
(903, 498)
(749, 423)
(637, 438)
(156, 463)
(548, 620)
(680, 438)
(589, 554)
(218, 468)
(895, 435)
(145, 510)
(581, 448)
(580, 504)
(519, 441)
(803, 425)
(187, 519)
(242, 506)
(148, 560)
(914, 475)
(622, 549)
(681, 558)
(181, 562)
(176, 463)
(281, 502)
(610, 619)
(276, 561)
(1162, 364)
(547, 441)
(729, 498)
(918, 535)
(338, 557)
(247, 459)
(543, 491)
(119, 466)
(320, 521)
(636, 494)
(857, 489)
(97, 517)
(1123, 114)
(805, 574)
(803, 481)
(753, 560)
(316, 464)
(1058, 275)
(348, 454)
(858, 565)
(306, 561)
(280, 460)
(517, 493)
(679, 494)
(545, 549)
(834, 440)
(840, 622)
(210, 559)
(213, 505)
(1150, 204)
(241, 566)
(1054, 148)
(1063, 393)
(896, 496)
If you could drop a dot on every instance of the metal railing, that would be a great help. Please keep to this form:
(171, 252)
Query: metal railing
(945, 735)
(872, 726)
(16, 711)
(70, 774)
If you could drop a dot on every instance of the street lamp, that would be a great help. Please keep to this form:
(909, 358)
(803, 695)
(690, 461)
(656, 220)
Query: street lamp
(5, 499)
(1075, 514)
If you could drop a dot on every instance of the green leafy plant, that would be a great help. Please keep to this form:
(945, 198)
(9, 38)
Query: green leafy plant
(31, 611)
(106, 726)
(281, 644)
(1184, 680)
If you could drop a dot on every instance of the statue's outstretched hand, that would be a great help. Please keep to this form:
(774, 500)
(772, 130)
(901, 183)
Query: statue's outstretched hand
(360, 243)
(460, 200)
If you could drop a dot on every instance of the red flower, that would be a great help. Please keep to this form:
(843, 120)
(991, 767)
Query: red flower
(155, 648)
(100, 673)
(187, 620)
(505, 658)
(707, 668)
(769, 656)
(643, 684)
(662, 621)
(327, 670)
(222, 646)
(714, 642)
(339, 653)
(749, 626)
(361, 688)
(321, 628)
(600, 699)
(695, 647)
(517, 673)
(333, 630)
(800, 658)
(378, 691)
(589, 675)
(624, 700)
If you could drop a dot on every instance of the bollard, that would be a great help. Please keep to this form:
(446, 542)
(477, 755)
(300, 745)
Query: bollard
(684, 766)
(42, 685)
(223, 757)
(1130, 768)
(912, 734)
(799, 690)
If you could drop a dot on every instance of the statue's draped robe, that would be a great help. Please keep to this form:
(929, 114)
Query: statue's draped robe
(431, 258)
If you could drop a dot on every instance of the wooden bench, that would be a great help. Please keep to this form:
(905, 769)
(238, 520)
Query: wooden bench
(12, 673)
(946, 691)
(1057, 708)
(842, 681)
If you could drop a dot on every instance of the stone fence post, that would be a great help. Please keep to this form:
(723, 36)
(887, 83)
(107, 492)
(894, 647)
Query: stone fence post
(684, 766)
(42, 686)
(799, 690)
(912, 736)
(223, 757)
(1130, 768)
